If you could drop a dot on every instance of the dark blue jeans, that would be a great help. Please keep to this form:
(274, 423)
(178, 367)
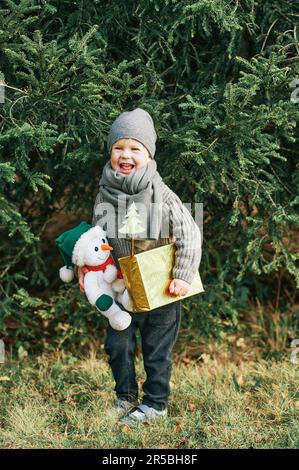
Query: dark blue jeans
(159, 330)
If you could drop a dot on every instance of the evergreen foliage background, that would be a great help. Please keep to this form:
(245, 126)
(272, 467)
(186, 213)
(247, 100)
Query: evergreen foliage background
(215, 75)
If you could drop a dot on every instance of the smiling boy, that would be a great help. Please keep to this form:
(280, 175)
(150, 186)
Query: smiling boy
(128, 155)
(131, 175)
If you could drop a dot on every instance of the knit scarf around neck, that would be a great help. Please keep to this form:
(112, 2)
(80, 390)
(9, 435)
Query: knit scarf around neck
(140, 186)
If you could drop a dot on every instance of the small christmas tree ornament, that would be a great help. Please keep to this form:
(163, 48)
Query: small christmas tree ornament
(131, 224)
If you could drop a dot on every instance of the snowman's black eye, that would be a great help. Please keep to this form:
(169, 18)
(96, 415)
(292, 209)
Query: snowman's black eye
(96, 248)
(103, 240)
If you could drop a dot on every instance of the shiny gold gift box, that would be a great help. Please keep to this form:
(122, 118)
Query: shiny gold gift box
(148, 275)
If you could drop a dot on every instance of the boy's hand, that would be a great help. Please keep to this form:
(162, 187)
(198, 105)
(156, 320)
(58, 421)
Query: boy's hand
(179, 287)
(81, 279)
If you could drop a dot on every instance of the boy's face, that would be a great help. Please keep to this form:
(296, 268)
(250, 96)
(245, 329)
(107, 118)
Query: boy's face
(128, 155)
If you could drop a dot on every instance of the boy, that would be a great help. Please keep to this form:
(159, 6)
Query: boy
(131, 175)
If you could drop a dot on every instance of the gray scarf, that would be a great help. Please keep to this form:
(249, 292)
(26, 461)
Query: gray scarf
(141, 186)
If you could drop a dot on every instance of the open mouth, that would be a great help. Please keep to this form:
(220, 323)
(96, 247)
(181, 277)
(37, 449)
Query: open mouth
(126, 167)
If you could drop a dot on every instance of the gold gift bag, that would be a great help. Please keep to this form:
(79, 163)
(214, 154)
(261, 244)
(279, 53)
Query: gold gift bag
(148, 275)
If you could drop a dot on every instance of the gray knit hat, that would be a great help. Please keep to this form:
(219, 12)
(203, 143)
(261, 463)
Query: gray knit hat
(136, 124)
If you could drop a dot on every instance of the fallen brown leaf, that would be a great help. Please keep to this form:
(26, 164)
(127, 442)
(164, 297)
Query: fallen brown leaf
(240, 343)
(191, 407)
(179, 426)
(126, 429)
(240, 381)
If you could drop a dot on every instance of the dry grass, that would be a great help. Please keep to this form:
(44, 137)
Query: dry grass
(47, 402)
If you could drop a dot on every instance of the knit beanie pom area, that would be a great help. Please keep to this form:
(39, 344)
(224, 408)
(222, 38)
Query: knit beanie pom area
(66, 274)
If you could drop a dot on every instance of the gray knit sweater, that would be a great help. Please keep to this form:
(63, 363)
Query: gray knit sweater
(183, 231)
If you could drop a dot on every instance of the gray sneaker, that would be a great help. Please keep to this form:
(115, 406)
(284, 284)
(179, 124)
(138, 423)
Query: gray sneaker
(143, 414)
(122, 407)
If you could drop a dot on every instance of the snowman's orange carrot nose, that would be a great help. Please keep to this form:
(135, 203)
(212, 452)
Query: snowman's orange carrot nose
(105, 247)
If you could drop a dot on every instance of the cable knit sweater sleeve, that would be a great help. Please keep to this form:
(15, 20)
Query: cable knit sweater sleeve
(187, 236)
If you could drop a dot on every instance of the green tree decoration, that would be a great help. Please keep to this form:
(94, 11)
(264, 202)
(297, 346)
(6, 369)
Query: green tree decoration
(131, 224)
(216, 81)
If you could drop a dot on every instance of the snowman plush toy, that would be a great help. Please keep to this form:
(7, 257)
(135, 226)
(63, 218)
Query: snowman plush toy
(87, 248)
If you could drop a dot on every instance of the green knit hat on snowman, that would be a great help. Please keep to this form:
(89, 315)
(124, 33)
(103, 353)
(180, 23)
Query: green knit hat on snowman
(67, 243)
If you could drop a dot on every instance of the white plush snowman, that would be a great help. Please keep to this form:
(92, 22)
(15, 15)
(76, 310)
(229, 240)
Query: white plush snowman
(87, 247)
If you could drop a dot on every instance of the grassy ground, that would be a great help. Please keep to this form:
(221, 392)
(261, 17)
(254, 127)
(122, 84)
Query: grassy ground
(54, 402)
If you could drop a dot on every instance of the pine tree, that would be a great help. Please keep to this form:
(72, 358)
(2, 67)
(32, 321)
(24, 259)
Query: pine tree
(216, 79)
